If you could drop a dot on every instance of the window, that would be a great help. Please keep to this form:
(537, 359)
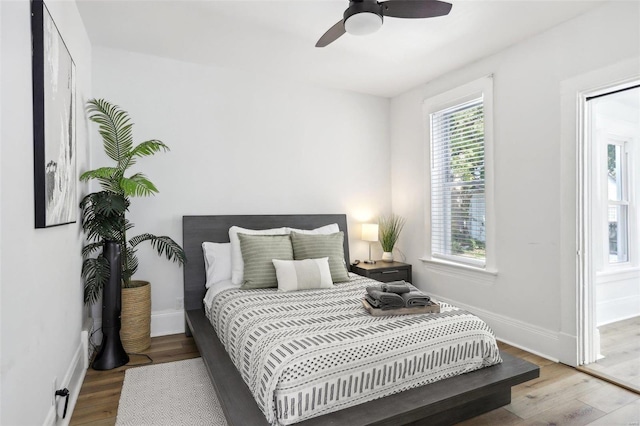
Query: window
(618, 204)
(459, 124)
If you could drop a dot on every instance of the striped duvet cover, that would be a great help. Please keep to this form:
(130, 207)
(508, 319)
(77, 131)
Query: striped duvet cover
(308, 353)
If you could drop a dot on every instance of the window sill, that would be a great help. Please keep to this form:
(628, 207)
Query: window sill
(617, 273)
(458, 270)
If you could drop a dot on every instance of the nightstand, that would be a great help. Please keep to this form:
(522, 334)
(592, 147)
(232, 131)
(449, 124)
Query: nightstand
(383, 271)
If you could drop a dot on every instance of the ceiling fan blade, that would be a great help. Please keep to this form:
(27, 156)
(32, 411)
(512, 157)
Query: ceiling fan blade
(332, 34)
(415, 8)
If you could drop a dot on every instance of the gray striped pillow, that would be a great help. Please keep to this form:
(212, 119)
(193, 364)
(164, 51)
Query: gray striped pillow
(258, 251)
(317, 246)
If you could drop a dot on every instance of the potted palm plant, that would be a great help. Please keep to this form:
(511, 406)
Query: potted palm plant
(390, 227)
(104, 219)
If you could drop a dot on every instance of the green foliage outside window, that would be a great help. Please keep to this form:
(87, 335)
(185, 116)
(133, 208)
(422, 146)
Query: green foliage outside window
(467, 175)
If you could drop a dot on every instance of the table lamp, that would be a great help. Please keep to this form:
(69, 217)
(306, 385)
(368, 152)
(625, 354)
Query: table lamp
(370, 233)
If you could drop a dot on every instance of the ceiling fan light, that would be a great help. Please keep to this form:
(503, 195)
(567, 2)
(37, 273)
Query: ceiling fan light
(363, 23)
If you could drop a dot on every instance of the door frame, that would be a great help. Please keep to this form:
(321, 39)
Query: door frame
(586, 313)
(574, 253)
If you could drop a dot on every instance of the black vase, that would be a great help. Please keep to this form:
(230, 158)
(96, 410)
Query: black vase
(111, 353)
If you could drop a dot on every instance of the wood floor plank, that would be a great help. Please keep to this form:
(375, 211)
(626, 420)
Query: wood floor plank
(552, 394)
(91, 414)
(629, 415)
(609, 398)
(573, 413)
(548, 375)
(111, 421)
(97, 381)
(100, 397)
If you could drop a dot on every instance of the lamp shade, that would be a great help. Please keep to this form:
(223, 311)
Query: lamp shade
(370, 231)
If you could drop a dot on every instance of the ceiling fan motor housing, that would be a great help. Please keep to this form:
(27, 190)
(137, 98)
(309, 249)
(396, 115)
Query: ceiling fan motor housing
(363, 17)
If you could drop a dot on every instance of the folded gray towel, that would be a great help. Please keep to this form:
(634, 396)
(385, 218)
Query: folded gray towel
(373, 290)
(387, 300)
(373, 302)
(397, 287)
(415, 298)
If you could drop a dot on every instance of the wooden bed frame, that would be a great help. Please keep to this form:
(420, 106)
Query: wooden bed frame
(441, 403)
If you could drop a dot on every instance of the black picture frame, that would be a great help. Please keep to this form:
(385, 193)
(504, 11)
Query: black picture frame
(54, 122)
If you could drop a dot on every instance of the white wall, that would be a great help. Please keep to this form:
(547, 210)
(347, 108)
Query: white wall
(523, 302)
(242, 144)
(41, 303)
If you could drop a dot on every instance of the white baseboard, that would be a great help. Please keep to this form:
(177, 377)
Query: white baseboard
(51, 417)
(568, 349)
(531, 338)
(72, 380)
(619, 309)
(167, 322)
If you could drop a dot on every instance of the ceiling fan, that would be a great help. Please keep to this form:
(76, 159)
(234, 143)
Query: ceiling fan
(365, 16)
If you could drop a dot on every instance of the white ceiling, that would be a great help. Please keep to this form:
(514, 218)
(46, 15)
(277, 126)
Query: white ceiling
(276, 37)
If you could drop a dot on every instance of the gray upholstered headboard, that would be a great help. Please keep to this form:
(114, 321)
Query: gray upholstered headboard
(198, 229)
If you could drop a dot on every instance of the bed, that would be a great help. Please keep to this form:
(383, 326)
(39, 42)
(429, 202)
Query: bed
(442, 402)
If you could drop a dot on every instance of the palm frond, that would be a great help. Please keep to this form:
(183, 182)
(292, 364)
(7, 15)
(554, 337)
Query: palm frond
(164, 245)
(90, 248)
(144, 149)
(111, 185)
(127, 225)
(109, 178)
(137, 186)
(114, 127)
(103, 215)
(95, 272)
(104, 203)
(113, 205)
(130, 265)
(100, 173)
(147, 148)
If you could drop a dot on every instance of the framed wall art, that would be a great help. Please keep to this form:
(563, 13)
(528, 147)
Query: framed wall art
(54, 122)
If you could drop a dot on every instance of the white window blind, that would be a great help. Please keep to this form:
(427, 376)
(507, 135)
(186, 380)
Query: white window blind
(458, 183)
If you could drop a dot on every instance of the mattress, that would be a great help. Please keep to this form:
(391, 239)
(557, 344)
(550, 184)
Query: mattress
(308, 353)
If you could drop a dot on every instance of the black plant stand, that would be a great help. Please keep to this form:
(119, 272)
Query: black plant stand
(111, 354)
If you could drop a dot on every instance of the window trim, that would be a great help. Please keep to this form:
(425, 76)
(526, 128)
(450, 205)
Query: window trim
(474, 89)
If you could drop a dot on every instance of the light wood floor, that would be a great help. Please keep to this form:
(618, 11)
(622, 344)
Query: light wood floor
(563, 395)
(620, 345)
(560, 396)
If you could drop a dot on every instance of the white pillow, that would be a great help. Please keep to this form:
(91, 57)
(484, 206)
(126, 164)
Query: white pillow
(304, 274)
(237, 264)
(323, 230)
(217, 262)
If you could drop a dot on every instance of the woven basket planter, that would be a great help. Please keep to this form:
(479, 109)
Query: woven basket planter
(136, 317)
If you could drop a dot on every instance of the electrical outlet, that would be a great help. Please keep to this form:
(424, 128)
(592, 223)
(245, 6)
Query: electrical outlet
(54, 388)
(179, 303)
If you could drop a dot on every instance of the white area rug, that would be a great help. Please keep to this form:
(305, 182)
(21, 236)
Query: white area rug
(174, 393)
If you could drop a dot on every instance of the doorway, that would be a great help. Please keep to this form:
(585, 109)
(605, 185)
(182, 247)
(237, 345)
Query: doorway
(611, 311)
